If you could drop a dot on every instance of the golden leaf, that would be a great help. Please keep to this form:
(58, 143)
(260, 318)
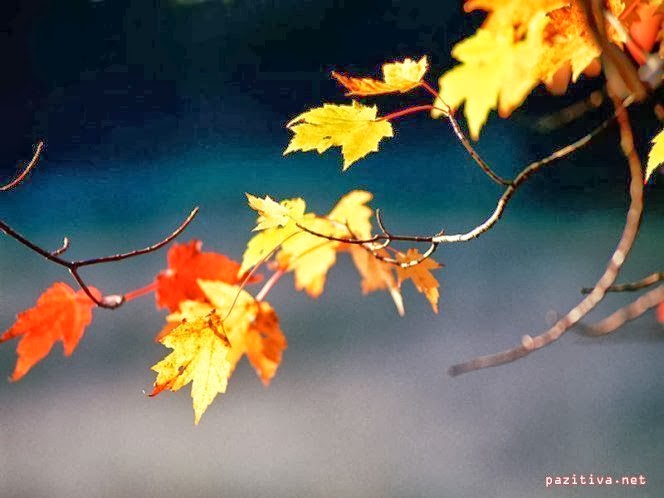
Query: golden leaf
(495, 71)
(355, 128)
(199, 355)
(656, 155)
(209, 338)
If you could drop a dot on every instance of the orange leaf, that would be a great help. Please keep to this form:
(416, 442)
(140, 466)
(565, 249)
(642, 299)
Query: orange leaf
(660, 313)
(397, 77)
(186, 263)
(265, 342)
(421, 275)
(61, 314)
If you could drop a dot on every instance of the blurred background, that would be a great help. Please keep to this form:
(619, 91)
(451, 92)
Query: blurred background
(150, 108)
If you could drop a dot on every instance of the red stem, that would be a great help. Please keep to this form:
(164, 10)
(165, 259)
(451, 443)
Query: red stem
(141, 291)
(406, 111)
(269, 284)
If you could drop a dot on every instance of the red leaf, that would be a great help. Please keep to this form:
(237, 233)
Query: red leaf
(186, 264)
(61, 314)
(660, 313)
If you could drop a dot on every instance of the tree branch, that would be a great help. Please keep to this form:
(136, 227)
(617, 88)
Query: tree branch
(651, 279)
(21, 176)
(111, 301)
(627, 238)
(627, 313)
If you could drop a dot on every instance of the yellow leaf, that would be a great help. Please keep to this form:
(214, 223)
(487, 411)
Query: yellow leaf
(276, 221)
(520, 45)
(270, 214)
(656, 155)
(230, 315)
(199, 355)
(421, 275)
(397, 77)
(309, 256)
(352, 211)
(505, 14)
(495, 71)
(355, 128)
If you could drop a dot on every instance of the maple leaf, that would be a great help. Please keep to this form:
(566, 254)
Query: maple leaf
(186, 264)
(397, 77)
(307, 255)
(243, 325)
(275, 224)
(355, 128)
(656, 155)
(61, 314)
(377, 275)
(505, 14)
(272, 214)
(495, 71)
(199, 355)
(265, 342)
(421, 275)
(660, 313)
(520, 45)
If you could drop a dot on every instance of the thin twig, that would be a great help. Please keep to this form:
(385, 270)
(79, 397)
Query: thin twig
(21, 176)
(627, 313)
(112, 301)
(463, 139)
(627, 238)
(651, 279)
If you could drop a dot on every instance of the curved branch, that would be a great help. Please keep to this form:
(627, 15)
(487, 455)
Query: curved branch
(462, 137)
(111, 301)
(651, 279)
(21, 176)
(627, 238)
(627, 313)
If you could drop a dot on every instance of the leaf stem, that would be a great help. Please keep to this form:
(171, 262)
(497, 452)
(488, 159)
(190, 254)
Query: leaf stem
(406, 112)
(142, 291)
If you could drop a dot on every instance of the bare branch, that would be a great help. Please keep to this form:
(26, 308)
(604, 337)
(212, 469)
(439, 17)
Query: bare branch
(627, 313)
(111, 301)
(21, 176)
(651, 279)
(62, 248)
(463, 139)
(627, 238)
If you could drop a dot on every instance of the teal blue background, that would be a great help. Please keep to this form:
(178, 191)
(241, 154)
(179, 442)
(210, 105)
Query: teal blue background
(150, 110)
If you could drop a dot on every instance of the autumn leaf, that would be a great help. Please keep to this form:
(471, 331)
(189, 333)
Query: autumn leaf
(199, 355)
(275, 226)
(656, 155)
(421, 275)
(506, 14)
(186, 264)
(520, 45)
(61, 314)
(305, 254)
(660, 313)
(245, 327)
(309, 256)
(397, 77)
(272, 214)
(495, 72)
(355, 128)
(377, 275)
(265, 343)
